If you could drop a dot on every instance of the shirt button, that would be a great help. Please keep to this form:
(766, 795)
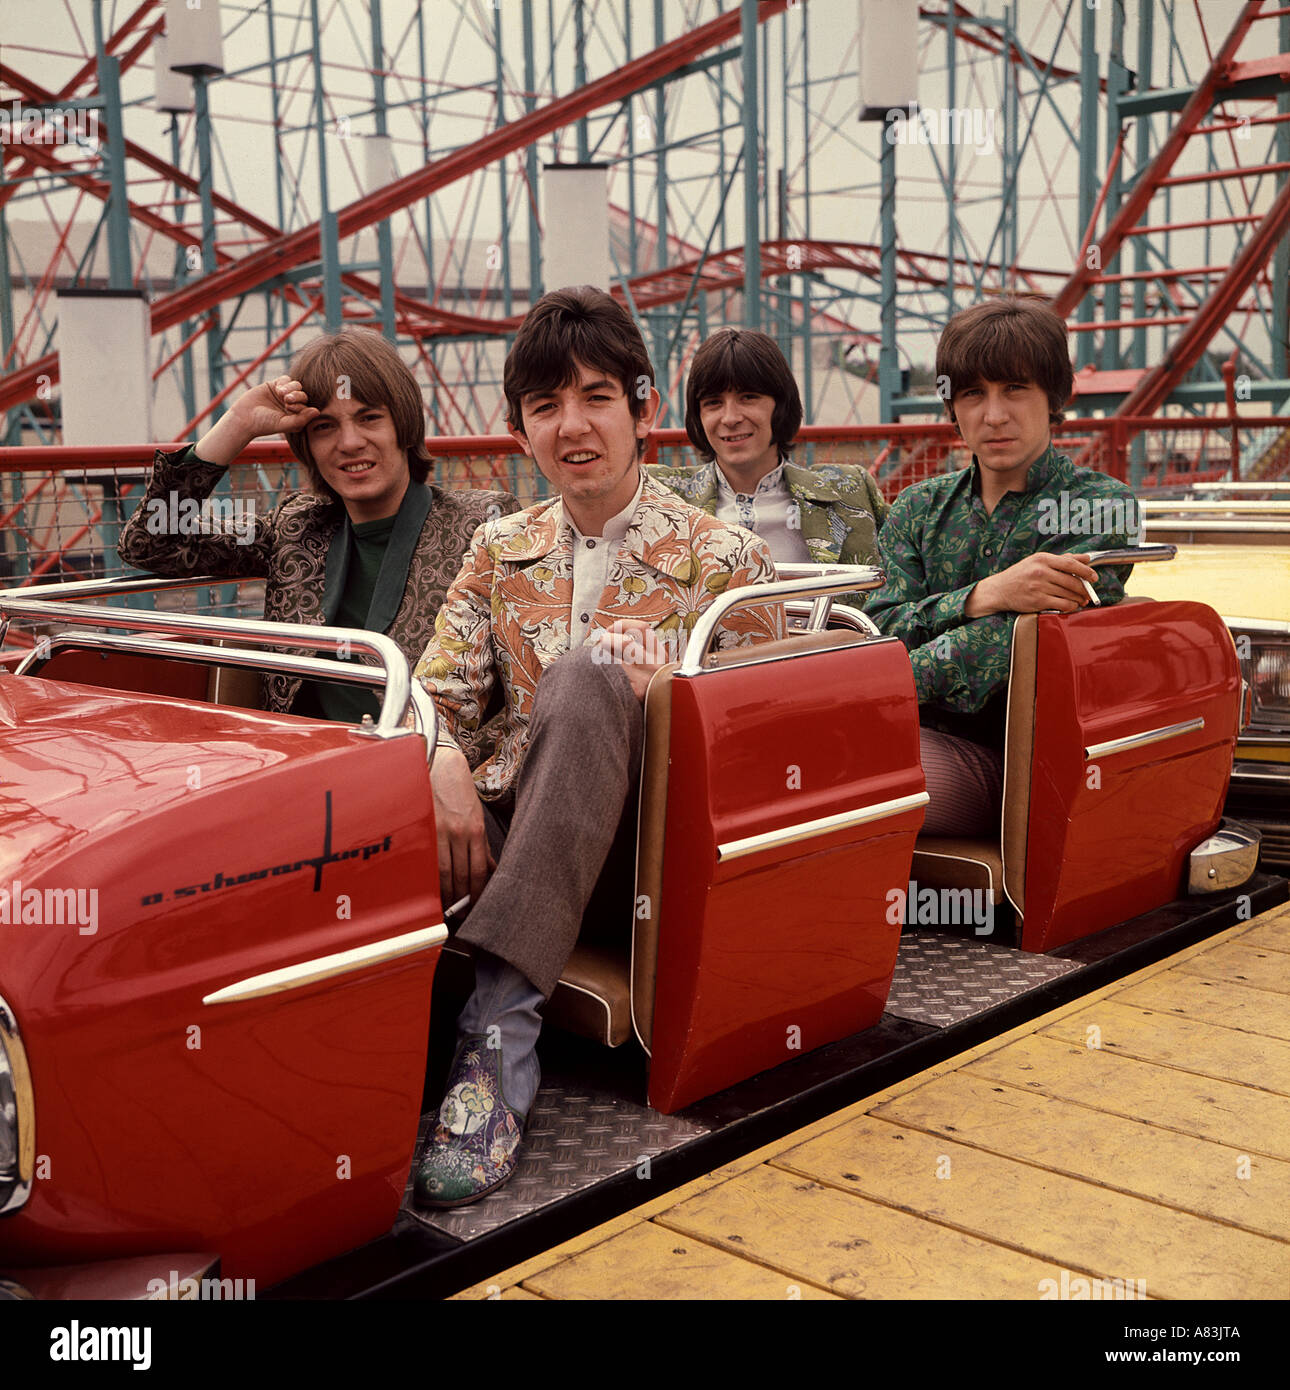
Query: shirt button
(584, 618)
(989, 550)
(591, 545)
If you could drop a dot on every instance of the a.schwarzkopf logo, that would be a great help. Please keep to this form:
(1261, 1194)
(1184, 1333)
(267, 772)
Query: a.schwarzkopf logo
(315, 862)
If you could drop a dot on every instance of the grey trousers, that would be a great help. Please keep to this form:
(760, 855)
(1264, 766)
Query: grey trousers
(965, 783)
(565, 846)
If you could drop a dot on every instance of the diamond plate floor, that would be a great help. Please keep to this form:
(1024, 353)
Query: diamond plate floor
(580, 1133)
(576, 1136)
(946, 979)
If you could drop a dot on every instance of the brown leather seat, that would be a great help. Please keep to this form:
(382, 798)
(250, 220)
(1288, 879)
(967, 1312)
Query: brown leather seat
(233, 685)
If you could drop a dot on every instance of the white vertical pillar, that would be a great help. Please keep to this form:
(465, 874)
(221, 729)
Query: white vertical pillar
(193, 31)
(104, 373)
(173, 90)
(378, 162)
(888, 56)
(575, 226)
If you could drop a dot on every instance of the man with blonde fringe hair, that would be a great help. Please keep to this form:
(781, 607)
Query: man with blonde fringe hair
(374, 544)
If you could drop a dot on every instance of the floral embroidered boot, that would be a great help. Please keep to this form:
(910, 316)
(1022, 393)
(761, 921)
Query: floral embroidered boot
(475, 1145)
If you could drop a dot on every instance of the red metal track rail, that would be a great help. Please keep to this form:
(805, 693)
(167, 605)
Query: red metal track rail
(1136, 204)
(1154, 388)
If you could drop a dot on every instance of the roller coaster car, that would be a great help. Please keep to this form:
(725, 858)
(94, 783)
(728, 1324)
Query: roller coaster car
(221, 926)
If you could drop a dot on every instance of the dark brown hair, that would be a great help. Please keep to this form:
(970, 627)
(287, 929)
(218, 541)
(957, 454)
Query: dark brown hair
(584, 325)
(741, 359)
(373, 374)
(1006, 339)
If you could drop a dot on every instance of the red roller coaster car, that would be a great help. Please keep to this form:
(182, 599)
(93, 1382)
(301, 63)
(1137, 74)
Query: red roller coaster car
(221, 927)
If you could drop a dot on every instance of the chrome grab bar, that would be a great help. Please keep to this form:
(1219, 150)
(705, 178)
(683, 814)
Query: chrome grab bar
(392, 672)
(1129, 554)
(841, 615)
(856, 578)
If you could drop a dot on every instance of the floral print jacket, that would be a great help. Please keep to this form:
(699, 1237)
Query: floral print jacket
(507, 616)
(839, 505)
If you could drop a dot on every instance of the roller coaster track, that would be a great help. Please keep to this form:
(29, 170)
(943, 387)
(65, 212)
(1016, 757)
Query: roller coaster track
(286, 253)
(1146, 390)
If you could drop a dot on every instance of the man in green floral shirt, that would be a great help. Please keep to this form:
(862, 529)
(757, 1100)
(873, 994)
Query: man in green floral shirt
(966, 552)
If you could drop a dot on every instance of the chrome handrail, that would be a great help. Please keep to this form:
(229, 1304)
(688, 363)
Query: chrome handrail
(857, 578)
(1119, 555)
(392, 670)
(841, 615)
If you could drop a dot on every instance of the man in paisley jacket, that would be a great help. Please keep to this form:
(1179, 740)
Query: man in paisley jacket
(373, 545)
(566, 609)
(742, 413)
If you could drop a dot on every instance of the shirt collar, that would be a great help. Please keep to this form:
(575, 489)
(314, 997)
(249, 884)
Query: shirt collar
(659, 531)
(616, 527)
(1038, 475)
(772, 482)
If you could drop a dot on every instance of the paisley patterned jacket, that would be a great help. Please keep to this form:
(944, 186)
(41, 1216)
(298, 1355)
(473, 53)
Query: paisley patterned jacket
(840, 506)
(289, 548)
(507, 615)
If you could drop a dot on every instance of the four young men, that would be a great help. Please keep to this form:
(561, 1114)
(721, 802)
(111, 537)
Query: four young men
(562, 613)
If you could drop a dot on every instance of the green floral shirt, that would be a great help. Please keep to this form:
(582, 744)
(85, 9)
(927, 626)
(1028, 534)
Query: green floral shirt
(938, 541)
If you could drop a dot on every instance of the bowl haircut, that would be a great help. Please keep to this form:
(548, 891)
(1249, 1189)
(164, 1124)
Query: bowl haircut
(371, 372)
(579, 325)
(741, 359)
(1007, 339)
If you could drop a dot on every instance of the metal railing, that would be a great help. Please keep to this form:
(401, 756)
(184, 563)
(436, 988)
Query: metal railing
(62, 509)
(154, 634)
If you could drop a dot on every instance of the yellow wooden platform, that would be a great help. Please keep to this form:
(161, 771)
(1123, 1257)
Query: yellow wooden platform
(1140, 1134)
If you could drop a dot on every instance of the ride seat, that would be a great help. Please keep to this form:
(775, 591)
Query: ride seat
(1092, 833)
(607, 992)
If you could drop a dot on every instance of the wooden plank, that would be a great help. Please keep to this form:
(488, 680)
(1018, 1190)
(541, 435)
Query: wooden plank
(1184, 1044)
(1252, 1121)
(649, 1262)
(1270, 936)
(814, 1232)
(1219, 1002)
(517, 1293)
(1066, 1221)
(1191, 1174)
(1243, 965)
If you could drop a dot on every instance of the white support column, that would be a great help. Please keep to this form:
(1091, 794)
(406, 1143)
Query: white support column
(575, 226)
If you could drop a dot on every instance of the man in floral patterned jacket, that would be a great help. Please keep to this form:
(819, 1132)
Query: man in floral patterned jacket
(742, 413)
(564, 612)
(371, 545)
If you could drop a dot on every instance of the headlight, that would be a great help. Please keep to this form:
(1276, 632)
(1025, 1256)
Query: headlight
(17, 1116)
(1264, 654)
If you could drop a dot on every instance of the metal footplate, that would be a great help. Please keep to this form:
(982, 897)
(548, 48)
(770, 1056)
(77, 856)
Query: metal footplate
(576, 1136)
(945, 979)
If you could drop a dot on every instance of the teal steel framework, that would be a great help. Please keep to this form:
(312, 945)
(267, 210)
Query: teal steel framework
(743, 191)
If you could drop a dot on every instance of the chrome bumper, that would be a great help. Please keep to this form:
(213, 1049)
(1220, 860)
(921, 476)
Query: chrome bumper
(1225, 860)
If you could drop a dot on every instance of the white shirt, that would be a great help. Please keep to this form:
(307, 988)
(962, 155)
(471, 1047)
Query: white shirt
(591, 559)
(770, 511)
